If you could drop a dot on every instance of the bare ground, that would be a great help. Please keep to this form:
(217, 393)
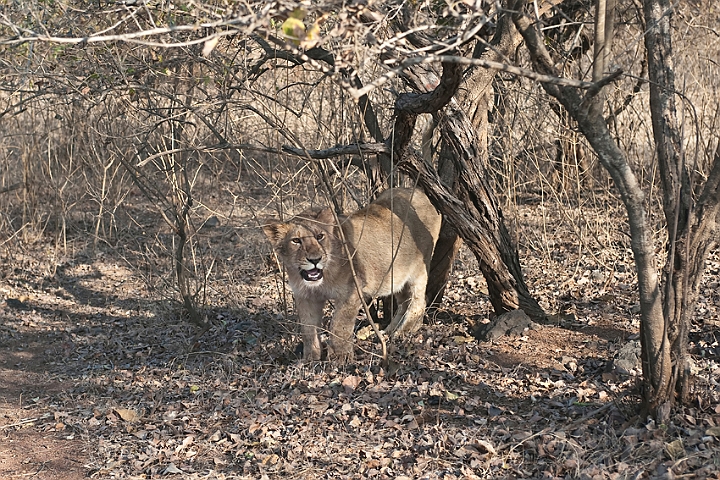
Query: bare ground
(103, 378)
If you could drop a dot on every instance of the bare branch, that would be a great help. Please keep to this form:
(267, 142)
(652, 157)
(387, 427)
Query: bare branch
(11, 187)
(130, 37)
(532, 75)
(211, 148)
(358, 149)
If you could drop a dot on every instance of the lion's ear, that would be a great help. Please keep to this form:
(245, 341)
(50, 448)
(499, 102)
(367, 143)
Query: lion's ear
(275, 232)
(326, 217)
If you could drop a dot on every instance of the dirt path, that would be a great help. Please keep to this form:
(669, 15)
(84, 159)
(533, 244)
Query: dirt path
(53, 452)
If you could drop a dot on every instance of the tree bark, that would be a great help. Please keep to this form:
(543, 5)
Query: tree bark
(449, 242)
(495, 250)
(446, 250)
(501, 283)
(675, 187)
(476, 215)
(691, 233)
(479, 83)
(476, 98)
(656, 361)
(694, 247)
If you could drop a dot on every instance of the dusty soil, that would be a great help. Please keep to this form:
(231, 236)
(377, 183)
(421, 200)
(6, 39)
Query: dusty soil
(26, 450)
(103, 377)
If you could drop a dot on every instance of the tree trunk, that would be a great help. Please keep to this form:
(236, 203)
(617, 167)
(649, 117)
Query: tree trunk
(495, 250)
(691, 234)
(675, 185)
(446, 249)
(476, 233)
(476, 99)
(699, 239)
(476, 215)
(449, 242)
(656, 361)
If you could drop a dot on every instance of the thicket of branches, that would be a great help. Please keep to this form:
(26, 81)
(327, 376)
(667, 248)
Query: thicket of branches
(98, 99)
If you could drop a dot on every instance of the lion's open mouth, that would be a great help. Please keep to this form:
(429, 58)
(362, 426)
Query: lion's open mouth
(312, 275)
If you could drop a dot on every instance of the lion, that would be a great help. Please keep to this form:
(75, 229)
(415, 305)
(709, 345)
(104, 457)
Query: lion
(390, 243)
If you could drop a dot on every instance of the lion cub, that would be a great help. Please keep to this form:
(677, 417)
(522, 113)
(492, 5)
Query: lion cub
(390, 242)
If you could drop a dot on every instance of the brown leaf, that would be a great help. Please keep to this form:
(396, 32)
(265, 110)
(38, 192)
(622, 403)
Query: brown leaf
(170, 469)
(675, 449)
(460, 339)
(128, 415)
(483, 447)
(185, 443)
(351, 382)
(522, 435)
(319, 407)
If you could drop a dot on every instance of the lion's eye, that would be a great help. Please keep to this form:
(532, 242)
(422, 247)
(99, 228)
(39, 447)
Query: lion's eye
(296, 241)
(320, 236)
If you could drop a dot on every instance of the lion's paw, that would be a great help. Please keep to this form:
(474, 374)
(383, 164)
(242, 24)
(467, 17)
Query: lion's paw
(341, 355)
(309, 353)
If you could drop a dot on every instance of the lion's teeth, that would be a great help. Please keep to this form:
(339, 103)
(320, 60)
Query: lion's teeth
(312, 275)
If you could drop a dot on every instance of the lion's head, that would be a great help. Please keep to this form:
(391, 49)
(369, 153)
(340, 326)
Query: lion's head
(307, 245)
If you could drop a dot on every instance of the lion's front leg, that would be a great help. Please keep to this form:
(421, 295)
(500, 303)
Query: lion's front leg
(341, 331)
(310, 313)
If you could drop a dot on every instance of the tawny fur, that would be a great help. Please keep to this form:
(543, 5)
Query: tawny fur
(390, 242)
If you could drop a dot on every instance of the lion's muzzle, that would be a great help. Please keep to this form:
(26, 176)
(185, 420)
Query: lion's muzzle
(312, 275)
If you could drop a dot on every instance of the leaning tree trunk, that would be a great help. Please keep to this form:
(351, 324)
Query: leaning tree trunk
(476, 216)
(497, 253)
(448, 243)
(494, 248)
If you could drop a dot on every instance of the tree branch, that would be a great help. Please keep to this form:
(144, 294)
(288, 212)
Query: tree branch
(356, 149)
(478, 62)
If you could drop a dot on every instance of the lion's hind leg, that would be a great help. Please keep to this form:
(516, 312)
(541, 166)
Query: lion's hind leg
(411, 307)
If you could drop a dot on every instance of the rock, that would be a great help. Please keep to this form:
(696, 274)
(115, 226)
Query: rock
(211, 222)
(627, 359)
(510, 323)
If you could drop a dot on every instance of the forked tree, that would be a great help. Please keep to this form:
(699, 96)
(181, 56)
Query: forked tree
(691, 207)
